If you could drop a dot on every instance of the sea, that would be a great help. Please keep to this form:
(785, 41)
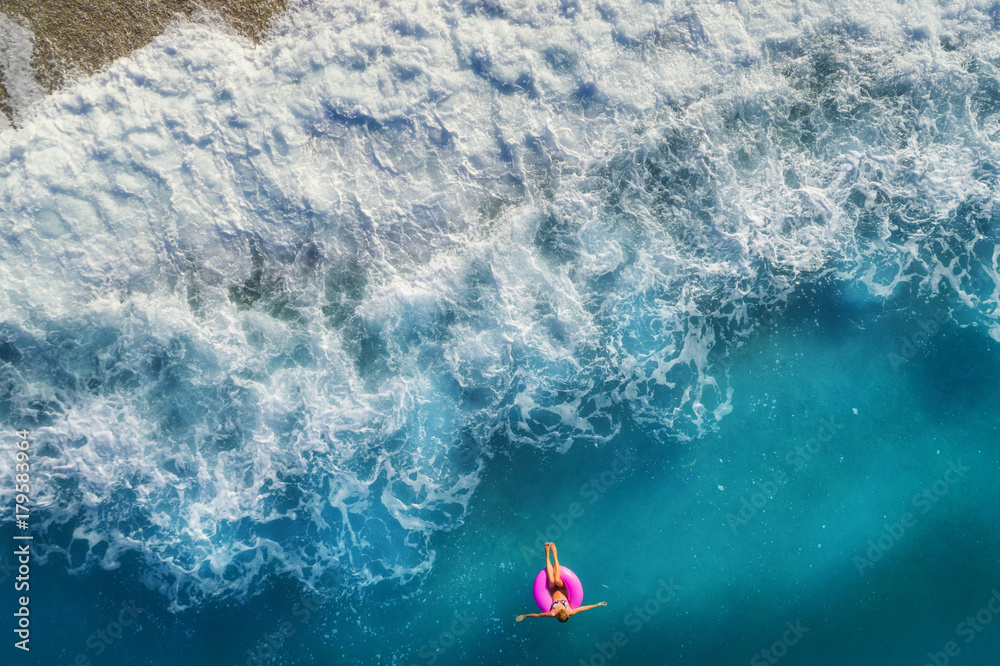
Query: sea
(308, 347)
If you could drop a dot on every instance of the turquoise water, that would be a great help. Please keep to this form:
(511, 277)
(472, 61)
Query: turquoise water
(318, 342)
(729, 592)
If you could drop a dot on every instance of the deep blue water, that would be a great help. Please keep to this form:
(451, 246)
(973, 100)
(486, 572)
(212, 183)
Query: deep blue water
(317, 343)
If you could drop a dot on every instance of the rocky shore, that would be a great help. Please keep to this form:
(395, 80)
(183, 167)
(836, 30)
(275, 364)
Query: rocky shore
(70, 38)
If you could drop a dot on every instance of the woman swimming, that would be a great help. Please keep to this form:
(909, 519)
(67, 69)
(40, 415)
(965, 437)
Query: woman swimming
(560, 601)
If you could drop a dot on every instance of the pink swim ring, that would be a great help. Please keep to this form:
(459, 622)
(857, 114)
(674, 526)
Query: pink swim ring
(574, 589)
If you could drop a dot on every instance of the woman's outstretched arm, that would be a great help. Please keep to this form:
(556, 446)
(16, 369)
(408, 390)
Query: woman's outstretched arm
(583, 608)
(549, 614)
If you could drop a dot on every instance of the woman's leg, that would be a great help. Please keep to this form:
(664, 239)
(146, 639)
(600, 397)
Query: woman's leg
(548, 567)
(556, 574)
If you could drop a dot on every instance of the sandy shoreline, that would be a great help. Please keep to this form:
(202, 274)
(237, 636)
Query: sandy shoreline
(82, 36)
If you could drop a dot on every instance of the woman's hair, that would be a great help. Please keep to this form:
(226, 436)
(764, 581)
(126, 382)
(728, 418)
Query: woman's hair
(563, 615)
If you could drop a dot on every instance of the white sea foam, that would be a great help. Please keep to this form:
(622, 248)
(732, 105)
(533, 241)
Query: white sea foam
(16, 48)
(274, 309)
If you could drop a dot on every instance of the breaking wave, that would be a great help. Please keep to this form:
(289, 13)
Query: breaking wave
(274, 310)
